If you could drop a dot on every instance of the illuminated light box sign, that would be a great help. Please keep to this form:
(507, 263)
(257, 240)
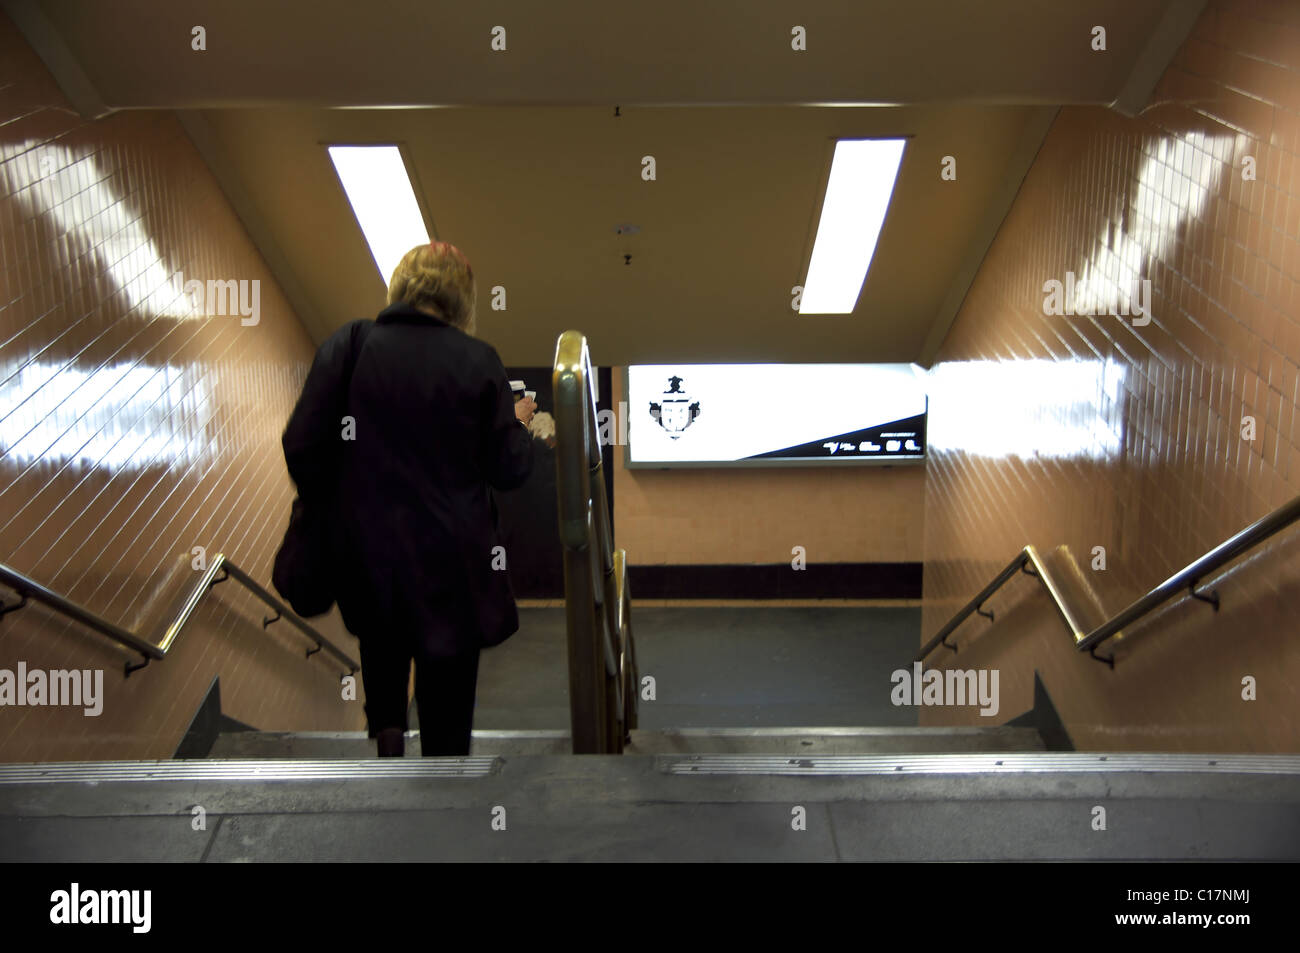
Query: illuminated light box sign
(694, 415)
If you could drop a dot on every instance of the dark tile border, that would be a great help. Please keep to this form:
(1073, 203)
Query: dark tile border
(779, 581)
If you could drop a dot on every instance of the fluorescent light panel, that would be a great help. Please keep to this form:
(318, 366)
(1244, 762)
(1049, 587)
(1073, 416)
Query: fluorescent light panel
(375, 180)
(863, 172)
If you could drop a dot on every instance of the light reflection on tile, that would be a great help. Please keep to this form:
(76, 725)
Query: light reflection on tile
(71, 192)
(115, 417)
(1032, 408)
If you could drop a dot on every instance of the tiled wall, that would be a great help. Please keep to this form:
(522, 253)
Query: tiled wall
(134, 428)
(1093, 431)
(757, 516)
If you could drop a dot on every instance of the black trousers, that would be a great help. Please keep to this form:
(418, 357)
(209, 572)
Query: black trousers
(444, 692)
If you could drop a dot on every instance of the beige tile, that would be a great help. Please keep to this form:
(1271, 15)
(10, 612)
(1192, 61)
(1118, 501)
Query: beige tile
(103, 522)
(1177, 477)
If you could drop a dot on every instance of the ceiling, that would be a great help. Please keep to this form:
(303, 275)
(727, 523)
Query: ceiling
(520, 159)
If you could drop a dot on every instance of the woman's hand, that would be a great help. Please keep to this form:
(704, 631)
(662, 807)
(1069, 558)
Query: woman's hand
(525, 408)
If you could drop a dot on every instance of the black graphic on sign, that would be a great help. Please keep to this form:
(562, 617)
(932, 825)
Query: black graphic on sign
(675, 411)
(899, 438)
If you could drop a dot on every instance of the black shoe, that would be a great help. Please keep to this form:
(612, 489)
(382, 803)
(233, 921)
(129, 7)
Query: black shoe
(392, 743)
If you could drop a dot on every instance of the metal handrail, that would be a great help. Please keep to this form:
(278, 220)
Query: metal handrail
(602, 659)
(1191, 574)
(1031, 563)
(28, 588)
(630, 679)
(1186, 578)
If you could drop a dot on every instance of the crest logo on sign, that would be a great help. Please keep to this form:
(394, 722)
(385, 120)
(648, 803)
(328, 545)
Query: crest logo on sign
(675, 411)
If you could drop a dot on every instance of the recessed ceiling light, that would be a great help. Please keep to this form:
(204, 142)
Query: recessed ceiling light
(863, 172)
(379, 190)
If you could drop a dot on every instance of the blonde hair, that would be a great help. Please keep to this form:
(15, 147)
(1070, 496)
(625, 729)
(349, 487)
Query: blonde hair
(437, 277)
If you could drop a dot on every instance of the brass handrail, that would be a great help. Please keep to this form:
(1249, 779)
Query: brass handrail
(28, 588)
(629, 677)
(1190, 575)
(602, 658)
(1032, 564)
(1187, 578)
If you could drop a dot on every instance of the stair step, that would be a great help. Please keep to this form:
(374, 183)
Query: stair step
(805, 741)
(1023, 806)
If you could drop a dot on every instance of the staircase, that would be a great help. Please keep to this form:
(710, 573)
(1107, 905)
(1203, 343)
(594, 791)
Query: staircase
(689, 795)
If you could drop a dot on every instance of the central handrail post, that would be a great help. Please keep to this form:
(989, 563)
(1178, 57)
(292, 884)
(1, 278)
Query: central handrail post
(580, 524)
(631, 679)
(607, 612)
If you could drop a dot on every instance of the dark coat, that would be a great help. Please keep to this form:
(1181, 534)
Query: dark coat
(414, 529)
(530, 529)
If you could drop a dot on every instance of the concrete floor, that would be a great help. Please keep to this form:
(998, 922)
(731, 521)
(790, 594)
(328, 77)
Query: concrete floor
(718, 667)
(1031, 806)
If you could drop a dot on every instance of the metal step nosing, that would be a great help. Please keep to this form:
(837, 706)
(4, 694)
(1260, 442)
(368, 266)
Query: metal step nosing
(903, 731)
(812, 765)
(1018, 763)
(100, 772)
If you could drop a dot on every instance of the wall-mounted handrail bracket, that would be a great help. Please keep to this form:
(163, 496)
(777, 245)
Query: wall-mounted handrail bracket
(20, 604)
(1028, 570)
(1211, 595)
(266, 621)
(225, 574)
(283, 611)
(1107, 659)
(980, 610)
(135, 666)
